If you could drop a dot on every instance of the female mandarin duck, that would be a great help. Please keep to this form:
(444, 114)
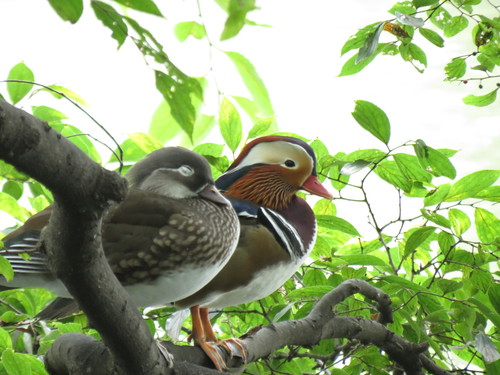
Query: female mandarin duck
(170, 236)
(278, 230)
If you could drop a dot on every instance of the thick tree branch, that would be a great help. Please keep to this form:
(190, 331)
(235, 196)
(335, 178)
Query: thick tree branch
(82, 190)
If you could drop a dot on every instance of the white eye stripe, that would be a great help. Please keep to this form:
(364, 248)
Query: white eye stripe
(185, 170)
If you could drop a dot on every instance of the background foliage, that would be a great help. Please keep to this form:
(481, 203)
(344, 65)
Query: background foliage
(437, 257)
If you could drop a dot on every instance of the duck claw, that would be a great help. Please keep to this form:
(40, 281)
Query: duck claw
(169, 357)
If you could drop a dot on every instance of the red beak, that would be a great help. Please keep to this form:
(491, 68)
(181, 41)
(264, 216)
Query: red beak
(314, 186)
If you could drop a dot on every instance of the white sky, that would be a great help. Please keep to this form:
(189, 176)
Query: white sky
(298, 59)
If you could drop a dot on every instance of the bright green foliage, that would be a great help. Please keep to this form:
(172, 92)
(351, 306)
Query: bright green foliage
(435, 21)
(373, 119)
(68, 10)
(18, 90)
(433, 246)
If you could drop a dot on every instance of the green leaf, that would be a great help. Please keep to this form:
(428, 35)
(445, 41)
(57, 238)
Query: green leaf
(494, 296)
(455, 25)
(373, 119)
(437, 196)
(417, 238)
(436, 218)
(357, 40)
(473, 183)
(12, 207)
(336, 223)
(177, 95)
(68, 10)
(455, 69)
(6, 269)
(434, 161)
(423, 3)
(432, 36)
(439, 17)
(14, 363)
(111, 19)
(459, 221)
(403, 282)
(261, 127)
(191, 28)
(5, 340)
(253, 82)
(350, 67)
(371, 43)
(59, 92)
(48, 114)
(412, 52)
(145, 142)
(163, 126)
(481, 101)
(363, 260)
(230, 124)
(146, 6)
(76, 136)
(487, 225)
(316, 291)
(490, 194)
(389, 171)
(18, 90)
(411, 168)
(14, 189)
(237, 13)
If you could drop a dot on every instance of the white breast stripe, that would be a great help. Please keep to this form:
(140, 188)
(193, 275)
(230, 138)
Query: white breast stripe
(285, 232)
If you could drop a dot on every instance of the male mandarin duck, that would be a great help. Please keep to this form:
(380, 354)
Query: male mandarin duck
(277, 232)
(170, 236)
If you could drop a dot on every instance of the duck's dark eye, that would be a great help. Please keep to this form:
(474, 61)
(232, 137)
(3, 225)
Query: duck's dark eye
(290, 163)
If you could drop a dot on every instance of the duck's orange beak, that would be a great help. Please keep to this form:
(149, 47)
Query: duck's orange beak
(314, 186)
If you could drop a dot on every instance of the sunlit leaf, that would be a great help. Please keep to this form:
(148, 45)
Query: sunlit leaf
(455, 69)
(68, 10)
(7, 271)
(373, 119)
(145, 142)
(459, 221)
(12, 207)
(481, 101)
(237, 13)
(111, 19)
(48, 114)
(417, 238)
(411, 168)
(261, 127)
(163, 126)
(389, 171)
(494, 296)
(253, 82)
(437, 196)
(491, 193)
(433, 160)
(18, 90)
(334, 222)
(432, 36)
(487, 225)
(455, 25)
(436, 218)
(473, 183)
(146, 6)
(15, 363)
(230, 124)
(190, 28)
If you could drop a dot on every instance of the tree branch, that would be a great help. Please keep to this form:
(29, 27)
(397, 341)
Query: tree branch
(82, 191)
